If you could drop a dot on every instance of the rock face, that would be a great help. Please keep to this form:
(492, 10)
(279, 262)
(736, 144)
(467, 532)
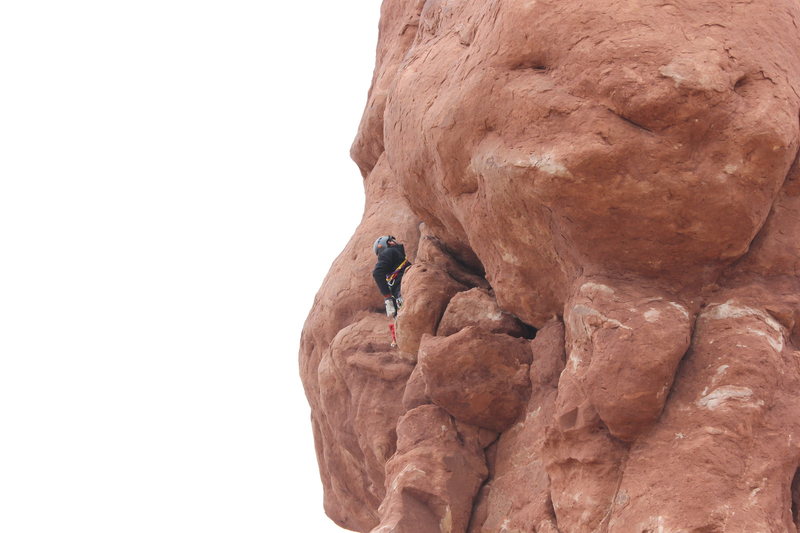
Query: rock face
(602, 204)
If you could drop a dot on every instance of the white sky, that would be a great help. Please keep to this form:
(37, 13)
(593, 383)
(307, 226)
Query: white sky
(174, 184)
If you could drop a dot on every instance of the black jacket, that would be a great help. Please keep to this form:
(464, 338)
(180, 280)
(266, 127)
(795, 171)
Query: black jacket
(388, 261)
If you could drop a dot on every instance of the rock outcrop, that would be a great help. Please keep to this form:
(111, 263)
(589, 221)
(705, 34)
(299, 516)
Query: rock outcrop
(602, 323)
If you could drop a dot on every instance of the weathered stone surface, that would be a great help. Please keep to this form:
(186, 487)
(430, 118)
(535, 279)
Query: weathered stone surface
(624, 349)
(728, 429)
(631, 138)
(399, 20)
(517, 495)
(357, 375)
(583, 461)
(347, 297)
(415, 394)
(465, 270)
(476, 307)
(622, 175)
(426, 289)
(433, 477)
(479, 378)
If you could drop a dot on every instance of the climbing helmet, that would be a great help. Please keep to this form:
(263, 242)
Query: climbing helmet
(382, 243)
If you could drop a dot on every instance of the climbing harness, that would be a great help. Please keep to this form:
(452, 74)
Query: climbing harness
(391, 278)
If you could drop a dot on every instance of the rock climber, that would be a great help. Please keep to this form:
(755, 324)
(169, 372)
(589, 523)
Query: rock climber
(388, 272)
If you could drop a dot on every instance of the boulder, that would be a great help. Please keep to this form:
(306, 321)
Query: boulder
(477, 307)
(478, 378)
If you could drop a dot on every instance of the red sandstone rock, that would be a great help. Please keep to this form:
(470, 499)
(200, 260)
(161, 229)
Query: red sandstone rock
(427, 289)
(476, 307)
(624, 349)
(357, 375)
(584, 463)
(415, 394)
(336, 390)
(729, 417)
(517, 497)
(622, 175)
(433, 477)
(479, 378)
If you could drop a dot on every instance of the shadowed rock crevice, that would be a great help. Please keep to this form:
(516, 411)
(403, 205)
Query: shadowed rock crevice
(630, 121)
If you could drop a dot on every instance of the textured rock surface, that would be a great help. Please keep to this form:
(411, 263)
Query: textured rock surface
(476, 307)
(433, 477)
(478, 377)
(620, 175)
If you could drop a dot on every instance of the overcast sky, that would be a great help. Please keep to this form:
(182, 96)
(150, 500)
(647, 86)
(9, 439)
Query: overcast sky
(174, 184)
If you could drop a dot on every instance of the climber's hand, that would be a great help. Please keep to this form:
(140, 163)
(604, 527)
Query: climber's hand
(391, 310)
(399, 302)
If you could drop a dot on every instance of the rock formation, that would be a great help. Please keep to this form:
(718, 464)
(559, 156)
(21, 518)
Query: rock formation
(602, 204)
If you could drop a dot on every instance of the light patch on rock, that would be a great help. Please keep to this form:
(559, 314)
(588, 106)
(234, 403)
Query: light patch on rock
(577, 326)
(505, 527)
(586, 515)
(755, 491)
(680, 308)
(663, 392)
(775, 342)
(731, 169)
(494, 315)
(728, 393)
(547, 163)
(586, 502)
(651, 315)
(679, 436)
(446, 523)
(670, 71)
(575, 361)
(729, 310)
(582, 312)
(509, 258)
(655, 524)
(528, 416)
(696, 72)
(717, 376)
(407, 471)
(597, 287)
